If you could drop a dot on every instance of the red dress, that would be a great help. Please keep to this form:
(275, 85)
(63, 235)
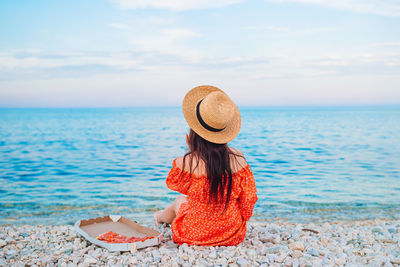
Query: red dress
(198, 224)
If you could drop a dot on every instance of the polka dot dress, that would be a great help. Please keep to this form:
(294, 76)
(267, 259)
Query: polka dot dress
(207, 225)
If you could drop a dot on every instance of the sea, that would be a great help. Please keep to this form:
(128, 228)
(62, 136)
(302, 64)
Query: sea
(59, 165)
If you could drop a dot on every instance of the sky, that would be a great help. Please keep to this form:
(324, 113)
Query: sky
(123, 53)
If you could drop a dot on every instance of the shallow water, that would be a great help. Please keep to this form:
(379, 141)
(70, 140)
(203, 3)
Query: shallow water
(60, 165)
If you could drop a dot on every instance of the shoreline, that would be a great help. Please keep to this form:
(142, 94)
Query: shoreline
(273, 243)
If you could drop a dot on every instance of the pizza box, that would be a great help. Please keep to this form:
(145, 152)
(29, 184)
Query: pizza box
(92, 228)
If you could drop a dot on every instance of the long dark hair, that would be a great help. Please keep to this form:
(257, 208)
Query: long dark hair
(217, 161)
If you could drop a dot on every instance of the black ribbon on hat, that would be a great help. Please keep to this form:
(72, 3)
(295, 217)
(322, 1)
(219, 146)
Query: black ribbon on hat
(205, 125)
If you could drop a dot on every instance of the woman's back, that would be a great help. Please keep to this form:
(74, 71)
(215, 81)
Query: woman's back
(200, 222)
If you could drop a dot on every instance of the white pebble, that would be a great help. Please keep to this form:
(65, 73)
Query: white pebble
(297, 246)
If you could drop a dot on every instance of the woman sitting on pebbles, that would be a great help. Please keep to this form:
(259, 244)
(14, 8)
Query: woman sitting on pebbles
(216, 179)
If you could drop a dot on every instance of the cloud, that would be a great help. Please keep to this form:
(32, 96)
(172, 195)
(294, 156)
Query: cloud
(332, 62)
(269, 28)
(277, 28)
(263, 76)
(283, 29)
(33, 64)
(180, 34)
(40, 64)
(359, 65)
(378, 7)
(80, 58)
(166, 46)
(43, 65)
(176, 5)
(387, 44)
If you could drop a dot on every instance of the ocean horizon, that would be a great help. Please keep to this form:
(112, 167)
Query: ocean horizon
(59, 165)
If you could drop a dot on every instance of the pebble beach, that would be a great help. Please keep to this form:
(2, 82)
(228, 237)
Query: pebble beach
(279, 243)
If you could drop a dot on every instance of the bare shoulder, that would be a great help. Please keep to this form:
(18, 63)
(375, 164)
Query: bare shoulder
(179, 162)
(238, 161)
(185, 164)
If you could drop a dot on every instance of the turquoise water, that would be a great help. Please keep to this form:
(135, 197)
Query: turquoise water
(60, 165)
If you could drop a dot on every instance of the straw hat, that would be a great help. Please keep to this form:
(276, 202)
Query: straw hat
(211, 114)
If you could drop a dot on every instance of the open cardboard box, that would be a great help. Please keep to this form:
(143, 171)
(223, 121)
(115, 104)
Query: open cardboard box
(92, 228)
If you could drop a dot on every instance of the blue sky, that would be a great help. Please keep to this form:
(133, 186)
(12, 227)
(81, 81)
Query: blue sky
(149, 53)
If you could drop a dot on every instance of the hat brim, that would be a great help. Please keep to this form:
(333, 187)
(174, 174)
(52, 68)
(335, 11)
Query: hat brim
(192, 98)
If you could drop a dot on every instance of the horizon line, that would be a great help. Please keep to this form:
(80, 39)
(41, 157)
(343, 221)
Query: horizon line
(173, 106)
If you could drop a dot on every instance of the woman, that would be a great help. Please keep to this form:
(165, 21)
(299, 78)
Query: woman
(217, 184)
